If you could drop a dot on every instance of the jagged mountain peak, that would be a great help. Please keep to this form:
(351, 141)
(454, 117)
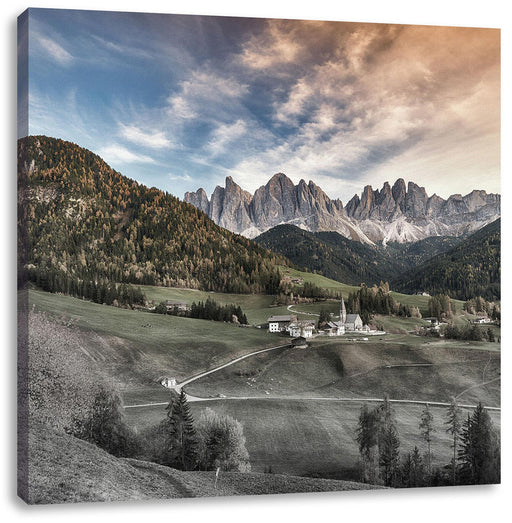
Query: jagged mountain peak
(399, 212)
(229, 181)
(279, 178)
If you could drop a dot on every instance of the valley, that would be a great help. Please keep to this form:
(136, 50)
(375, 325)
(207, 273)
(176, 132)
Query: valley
(299, 406)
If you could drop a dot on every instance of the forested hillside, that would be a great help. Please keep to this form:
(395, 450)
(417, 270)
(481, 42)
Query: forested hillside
(470, 269)
(348, 261)
(329, 254)
(86, 222)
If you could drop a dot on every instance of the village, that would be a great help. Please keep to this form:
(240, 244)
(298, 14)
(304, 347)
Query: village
(348, 323)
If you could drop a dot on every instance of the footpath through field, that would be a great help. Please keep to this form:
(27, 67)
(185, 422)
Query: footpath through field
(236, 360)
(190, 398)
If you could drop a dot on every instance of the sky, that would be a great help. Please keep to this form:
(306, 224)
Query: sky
(180, 102)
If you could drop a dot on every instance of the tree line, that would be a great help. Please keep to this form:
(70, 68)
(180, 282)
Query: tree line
(367, 301)
(474, 442)
(207, 310)
(103, 292)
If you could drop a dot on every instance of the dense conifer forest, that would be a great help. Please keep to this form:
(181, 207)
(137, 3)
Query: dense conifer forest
(468, 270)
(462, 268)
(349, 261)
(329, 254)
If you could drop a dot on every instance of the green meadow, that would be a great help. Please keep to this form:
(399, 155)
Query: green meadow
(287, 398)
(144, 345)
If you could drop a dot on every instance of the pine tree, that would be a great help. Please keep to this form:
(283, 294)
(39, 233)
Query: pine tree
(388, 443)
(412, 470)
(454, 425)
(367, 438)
(427, 428)
(479, 452)
(181, 440)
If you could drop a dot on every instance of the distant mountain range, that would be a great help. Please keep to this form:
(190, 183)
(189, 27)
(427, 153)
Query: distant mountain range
(397, 213)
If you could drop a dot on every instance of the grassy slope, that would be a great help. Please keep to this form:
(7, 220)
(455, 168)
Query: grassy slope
(302, 436)
(64, 469)
(319, 280)
(257, 307)
(140, 346)
(293, 436)
(430, 371)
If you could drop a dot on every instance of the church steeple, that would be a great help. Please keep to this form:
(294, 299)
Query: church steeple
(343, 311)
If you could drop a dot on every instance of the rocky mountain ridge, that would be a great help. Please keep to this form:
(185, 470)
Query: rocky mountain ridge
(401, 213)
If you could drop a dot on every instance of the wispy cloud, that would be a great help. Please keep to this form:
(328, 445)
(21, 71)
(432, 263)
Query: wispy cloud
(276, 46)
(117, 154)
(53, 50)
(151, 139)
(225, 135)
(179, 177)
(206, 94)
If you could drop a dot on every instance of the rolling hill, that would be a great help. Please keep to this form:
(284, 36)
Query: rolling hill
(86, 222)
(64, 469)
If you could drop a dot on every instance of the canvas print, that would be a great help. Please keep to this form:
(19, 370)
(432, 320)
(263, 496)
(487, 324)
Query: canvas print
(255, 256)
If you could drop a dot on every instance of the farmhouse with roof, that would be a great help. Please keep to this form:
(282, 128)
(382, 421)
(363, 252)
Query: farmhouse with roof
(334, 328)
(302, 329)
(177, 305)
(280, 323)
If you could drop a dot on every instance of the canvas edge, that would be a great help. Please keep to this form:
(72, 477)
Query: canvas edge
(22, 254)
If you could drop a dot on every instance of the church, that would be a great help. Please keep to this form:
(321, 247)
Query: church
(347, 323)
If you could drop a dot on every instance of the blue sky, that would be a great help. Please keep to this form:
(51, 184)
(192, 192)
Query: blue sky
(180, 102)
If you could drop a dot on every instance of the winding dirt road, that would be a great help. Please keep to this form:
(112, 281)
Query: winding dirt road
(194, 399)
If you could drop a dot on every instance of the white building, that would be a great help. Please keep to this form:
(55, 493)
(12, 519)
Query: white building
(168, 383)
(177, 305)
(280, 323)
(301, 328)
(334, 328)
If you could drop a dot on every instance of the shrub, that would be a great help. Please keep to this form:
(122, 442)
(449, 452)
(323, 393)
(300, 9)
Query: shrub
(221, 443)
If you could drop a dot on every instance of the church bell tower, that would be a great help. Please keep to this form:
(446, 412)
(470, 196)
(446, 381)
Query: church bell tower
(343, 311)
